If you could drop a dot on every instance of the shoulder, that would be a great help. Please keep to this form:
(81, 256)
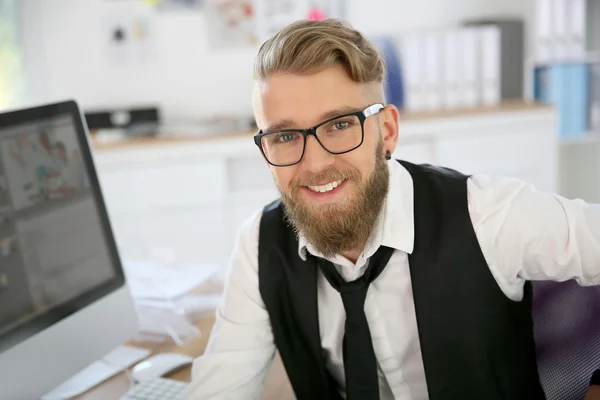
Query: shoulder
(248, 232)
(490, 195)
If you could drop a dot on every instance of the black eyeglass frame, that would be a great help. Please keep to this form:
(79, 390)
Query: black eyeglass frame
(362, 116)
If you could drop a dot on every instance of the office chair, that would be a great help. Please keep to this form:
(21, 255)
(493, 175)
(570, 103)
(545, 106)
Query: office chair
(566, 321)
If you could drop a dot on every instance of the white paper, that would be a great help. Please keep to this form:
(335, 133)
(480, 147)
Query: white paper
(129, 34)
(152, 281)
(125, 356)
(166, 322)
(231, 24)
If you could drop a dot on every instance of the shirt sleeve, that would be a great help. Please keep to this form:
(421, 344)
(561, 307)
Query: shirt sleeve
(241, 347)
(527, 234)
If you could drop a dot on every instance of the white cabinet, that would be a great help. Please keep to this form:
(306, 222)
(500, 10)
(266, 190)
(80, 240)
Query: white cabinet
(520, 153)
(516, 143)
(580, 172)
(183, 201)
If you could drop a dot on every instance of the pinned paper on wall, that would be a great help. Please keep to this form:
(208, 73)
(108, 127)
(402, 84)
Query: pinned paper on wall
(177, 4)
(130, 37)
(234, 23)
(231, 23)
(323, 9)
(316, 14)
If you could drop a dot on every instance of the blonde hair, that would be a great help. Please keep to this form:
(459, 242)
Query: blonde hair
(307, 46)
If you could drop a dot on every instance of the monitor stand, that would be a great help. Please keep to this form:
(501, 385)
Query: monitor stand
(110, 365)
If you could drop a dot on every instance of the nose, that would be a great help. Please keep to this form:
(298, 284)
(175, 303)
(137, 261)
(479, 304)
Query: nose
(316, 158)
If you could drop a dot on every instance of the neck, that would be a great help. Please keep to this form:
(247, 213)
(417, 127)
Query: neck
(352, 255)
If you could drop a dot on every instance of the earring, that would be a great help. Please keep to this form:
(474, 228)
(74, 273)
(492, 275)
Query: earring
(388, 155)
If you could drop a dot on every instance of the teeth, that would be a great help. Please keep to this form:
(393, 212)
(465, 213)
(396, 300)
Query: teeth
(326, 188)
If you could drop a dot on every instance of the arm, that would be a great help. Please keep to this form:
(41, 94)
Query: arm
(526, 234)
(241, 348)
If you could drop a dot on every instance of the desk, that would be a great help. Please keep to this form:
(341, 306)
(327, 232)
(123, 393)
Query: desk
(277, 386)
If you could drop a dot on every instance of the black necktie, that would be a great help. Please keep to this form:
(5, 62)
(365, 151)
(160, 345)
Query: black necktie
(360, 364)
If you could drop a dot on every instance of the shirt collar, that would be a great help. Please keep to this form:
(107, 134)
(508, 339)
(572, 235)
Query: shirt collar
(394, 226)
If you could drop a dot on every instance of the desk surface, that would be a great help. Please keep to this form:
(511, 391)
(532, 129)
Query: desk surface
(277, 386)
(405, 117)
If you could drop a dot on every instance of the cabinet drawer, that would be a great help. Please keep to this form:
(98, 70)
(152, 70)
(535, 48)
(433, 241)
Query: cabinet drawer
(175, 236)
(523, 154)
(144, 188)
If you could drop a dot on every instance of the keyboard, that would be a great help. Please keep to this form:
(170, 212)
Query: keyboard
(157, 389)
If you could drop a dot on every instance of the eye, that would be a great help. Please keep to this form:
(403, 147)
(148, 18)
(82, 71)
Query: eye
(341, 125)
(285, 137)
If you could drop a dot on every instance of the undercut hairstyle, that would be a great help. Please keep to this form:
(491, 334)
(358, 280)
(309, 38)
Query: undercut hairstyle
(305, 47)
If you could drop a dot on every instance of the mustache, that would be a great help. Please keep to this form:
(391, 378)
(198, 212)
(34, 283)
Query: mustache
(328, 175)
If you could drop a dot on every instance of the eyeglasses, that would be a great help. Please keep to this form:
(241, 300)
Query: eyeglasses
(337, 135)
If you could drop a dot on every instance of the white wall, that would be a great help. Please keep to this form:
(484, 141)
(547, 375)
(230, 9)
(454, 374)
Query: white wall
(66, 57)
(384, 16)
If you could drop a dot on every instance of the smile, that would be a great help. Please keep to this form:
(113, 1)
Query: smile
(327, 187)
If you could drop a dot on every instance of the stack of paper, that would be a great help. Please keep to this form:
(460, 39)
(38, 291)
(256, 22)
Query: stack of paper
(162, 294)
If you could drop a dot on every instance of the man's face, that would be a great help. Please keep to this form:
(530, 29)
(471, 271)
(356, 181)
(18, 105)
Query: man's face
(45, 140)
(62, 154)
(339, 219)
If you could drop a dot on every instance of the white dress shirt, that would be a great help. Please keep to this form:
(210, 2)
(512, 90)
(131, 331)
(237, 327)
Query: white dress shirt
(524, 234)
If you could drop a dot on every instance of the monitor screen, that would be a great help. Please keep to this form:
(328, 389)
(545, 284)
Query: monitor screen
(55, 255)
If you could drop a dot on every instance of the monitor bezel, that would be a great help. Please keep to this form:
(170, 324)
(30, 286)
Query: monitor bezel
(39, 323)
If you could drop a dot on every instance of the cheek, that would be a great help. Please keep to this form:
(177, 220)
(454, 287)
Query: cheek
(362, 160)
(283, 176)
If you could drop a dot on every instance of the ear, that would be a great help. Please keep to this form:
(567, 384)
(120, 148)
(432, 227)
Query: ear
(390, 123)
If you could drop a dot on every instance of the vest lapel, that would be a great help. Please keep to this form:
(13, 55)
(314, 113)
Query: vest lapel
(289, 289)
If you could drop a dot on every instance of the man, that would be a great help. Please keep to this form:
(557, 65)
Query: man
(69, 178)
(376, 279)
(47, 165)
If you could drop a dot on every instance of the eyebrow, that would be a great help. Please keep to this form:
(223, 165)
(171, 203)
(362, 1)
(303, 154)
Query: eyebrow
(290, 124)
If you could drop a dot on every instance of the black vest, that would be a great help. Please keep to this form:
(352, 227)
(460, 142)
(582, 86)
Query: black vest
(476, 343)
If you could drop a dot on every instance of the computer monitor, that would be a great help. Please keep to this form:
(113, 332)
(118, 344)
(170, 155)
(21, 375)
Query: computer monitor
(64, 302)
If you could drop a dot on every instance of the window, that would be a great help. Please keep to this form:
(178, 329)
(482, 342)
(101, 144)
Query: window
(11, 80)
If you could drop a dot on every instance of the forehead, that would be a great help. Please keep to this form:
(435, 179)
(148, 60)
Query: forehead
(302, 98)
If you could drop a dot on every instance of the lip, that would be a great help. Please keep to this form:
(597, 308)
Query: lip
(324, 197)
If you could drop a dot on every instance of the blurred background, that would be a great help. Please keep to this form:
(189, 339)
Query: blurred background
(503, 87)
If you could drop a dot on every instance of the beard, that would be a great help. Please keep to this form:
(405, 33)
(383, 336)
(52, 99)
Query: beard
(343, 225)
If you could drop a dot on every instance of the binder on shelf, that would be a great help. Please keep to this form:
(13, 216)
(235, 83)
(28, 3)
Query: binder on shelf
(578, 93)
(394, 81)
(562, 30)
(594, 98)
(490, 40)
(544, 32)
(560, 36)
(451, 74)
(469, 82)
(565, 86)
(511, 57)
(592, 27)
(412, 62)
(433, 70)
(576, 29)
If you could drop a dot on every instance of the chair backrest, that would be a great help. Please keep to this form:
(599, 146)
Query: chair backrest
(566, 320)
